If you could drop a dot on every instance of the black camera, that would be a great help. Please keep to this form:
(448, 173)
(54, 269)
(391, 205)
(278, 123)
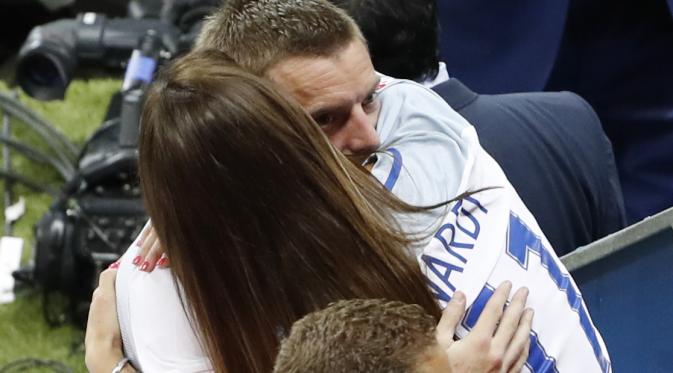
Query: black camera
(96, 217)
(52, 52)
(94, 220)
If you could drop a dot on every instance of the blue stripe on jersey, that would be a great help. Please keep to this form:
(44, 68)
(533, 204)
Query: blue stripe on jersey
(522, 241)
(395, 170)
(538, 360)
(477, 307)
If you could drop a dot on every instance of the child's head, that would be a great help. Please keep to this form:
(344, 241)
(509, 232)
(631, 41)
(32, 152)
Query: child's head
(363, 335)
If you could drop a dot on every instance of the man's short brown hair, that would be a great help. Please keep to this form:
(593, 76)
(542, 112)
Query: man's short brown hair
(257, 34)
(358, 335)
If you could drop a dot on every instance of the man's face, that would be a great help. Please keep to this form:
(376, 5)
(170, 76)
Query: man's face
(338, 92)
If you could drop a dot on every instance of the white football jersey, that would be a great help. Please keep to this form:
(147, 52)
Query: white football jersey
(431, 154)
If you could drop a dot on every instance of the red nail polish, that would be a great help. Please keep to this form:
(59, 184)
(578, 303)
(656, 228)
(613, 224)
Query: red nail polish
(162, 262)
(137, 260)
(114, 265)
(145, 266)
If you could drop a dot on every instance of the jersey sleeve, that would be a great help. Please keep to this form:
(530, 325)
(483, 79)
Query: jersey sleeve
(426, 147)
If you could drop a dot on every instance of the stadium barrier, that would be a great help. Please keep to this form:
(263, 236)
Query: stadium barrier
(626, 280)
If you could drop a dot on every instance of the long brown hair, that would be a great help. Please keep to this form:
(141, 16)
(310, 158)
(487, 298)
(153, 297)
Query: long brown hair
(263, 220)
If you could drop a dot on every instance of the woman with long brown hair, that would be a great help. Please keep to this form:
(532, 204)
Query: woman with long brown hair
(262, 219)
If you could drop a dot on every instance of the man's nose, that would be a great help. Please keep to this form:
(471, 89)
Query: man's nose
(360, 136)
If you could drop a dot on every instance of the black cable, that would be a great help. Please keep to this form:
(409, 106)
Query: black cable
(56, 141)
(28, 364)
(7, 166)
(34, 185)
(64, 169)
(40, 125)
(65, 151)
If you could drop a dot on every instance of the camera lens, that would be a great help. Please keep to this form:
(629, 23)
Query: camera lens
(43, 75)
(46, 60)
(39, 76)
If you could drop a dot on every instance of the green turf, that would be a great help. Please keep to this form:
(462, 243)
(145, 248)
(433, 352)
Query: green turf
(23, 331)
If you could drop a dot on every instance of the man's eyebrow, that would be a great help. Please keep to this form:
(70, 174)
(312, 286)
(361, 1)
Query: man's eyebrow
(320, 110)
(317, 111)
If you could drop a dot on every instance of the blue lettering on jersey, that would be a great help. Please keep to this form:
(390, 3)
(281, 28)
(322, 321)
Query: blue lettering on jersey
(446, 235)
(538, 360)
(438, 292)
(476, 203)
(521, 242)
(464, 211)
(473, 233)
(442, 270)
(450, 243)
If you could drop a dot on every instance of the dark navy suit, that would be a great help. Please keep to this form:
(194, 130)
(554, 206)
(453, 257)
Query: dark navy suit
(501, 46)
(618, 55)
(554, 152)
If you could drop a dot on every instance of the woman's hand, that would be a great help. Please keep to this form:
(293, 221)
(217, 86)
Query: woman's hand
(499, 342)
(151, 254)
(103, 342)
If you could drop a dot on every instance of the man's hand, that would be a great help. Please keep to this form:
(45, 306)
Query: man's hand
(499, 342)
(151, 254)
(103, 341)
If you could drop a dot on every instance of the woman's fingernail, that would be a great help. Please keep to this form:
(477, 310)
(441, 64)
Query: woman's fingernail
(162, 262)
(137, 260)
(145, 266)
(114, 265)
